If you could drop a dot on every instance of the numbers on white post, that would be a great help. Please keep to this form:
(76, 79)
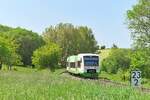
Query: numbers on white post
(136, 78)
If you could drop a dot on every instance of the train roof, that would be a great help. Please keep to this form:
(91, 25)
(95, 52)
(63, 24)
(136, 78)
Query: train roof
(75, 58)
(87, 54)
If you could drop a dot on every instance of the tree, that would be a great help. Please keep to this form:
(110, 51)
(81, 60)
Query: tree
(27, 41)
(103, 47)
(140, 59)
(139, 23)
(87, 42)
(118, 59)
(47, 56)
(8, 53)
(5, 28)
(114, 46)
(71, 39)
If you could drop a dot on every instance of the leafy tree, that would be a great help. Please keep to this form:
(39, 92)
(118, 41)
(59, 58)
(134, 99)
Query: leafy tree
(28, 41)
(117, 59)
(87, 40)
(71, 39)
(8, 53)
(47, 56)
(103, 47)
(140, 59)
(139, 23)
(114, 46)
(4, 28)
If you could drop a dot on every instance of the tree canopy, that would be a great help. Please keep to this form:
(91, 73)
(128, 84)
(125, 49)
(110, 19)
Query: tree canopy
(8, 53)
(139, 22)
(71, 39)
(47, 56)
(4, 28)
(27, 41)
(118, 59)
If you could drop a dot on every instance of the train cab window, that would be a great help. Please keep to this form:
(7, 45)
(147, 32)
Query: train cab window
(72, 64)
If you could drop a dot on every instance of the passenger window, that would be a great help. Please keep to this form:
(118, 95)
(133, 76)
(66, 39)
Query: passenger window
(79, 63)
(68, 64)
(72, 64)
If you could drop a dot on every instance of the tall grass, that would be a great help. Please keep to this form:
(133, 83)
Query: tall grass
(45, 85)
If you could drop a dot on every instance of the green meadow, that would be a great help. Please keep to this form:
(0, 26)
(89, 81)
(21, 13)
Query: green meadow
(31, 84)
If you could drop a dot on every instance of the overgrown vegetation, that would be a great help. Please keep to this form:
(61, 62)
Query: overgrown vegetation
(47, 56)
(118, 59)
(29, 84)
(27, 42)
(122, 61)
(139, 24)
(71, 39)
(8, 53)
(138, 57)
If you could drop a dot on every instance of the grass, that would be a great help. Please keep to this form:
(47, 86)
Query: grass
(113, 77)
(29, 84)
(117, 78)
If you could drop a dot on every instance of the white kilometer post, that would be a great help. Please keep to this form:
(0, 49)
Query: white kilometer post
(136, 78)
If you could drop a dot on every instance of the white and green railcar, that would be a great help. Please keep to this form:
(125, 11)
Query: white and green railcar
(85, 64)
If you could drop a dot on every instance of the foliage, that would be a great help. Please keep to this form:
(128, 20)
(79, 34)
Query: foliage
(71, 39)
(27, 42)
(140, 59)
(114, 46)
(8, 53)
(117, 59)
(103, 47)
(139, 23)
(122, 61)
(4, 28)
(104, 53)
(47, 56)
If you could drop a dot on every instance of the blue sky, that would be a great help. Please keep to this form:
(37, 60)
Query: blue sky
(105, 17)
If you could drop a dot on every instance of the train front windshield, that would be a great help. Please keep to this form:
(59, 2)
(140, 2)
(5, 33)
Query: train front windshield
(91, 60)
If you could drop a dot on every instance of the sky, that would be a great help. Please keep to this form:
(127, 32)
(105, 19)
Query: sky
(107, 18)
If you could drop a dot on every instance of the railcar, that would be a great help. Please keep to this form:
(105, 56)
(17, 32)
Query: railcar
(85, 64)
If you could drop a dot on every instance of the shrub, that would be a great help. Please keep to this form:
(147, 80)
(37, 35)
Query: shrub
(124, 75)
(47, 56)
(140, 59)
(117, 59)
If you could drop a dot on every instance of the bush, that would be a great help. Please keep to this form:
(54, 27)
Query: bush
(47, 56)
(140, 59)
(117, 59)
(124, 75)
